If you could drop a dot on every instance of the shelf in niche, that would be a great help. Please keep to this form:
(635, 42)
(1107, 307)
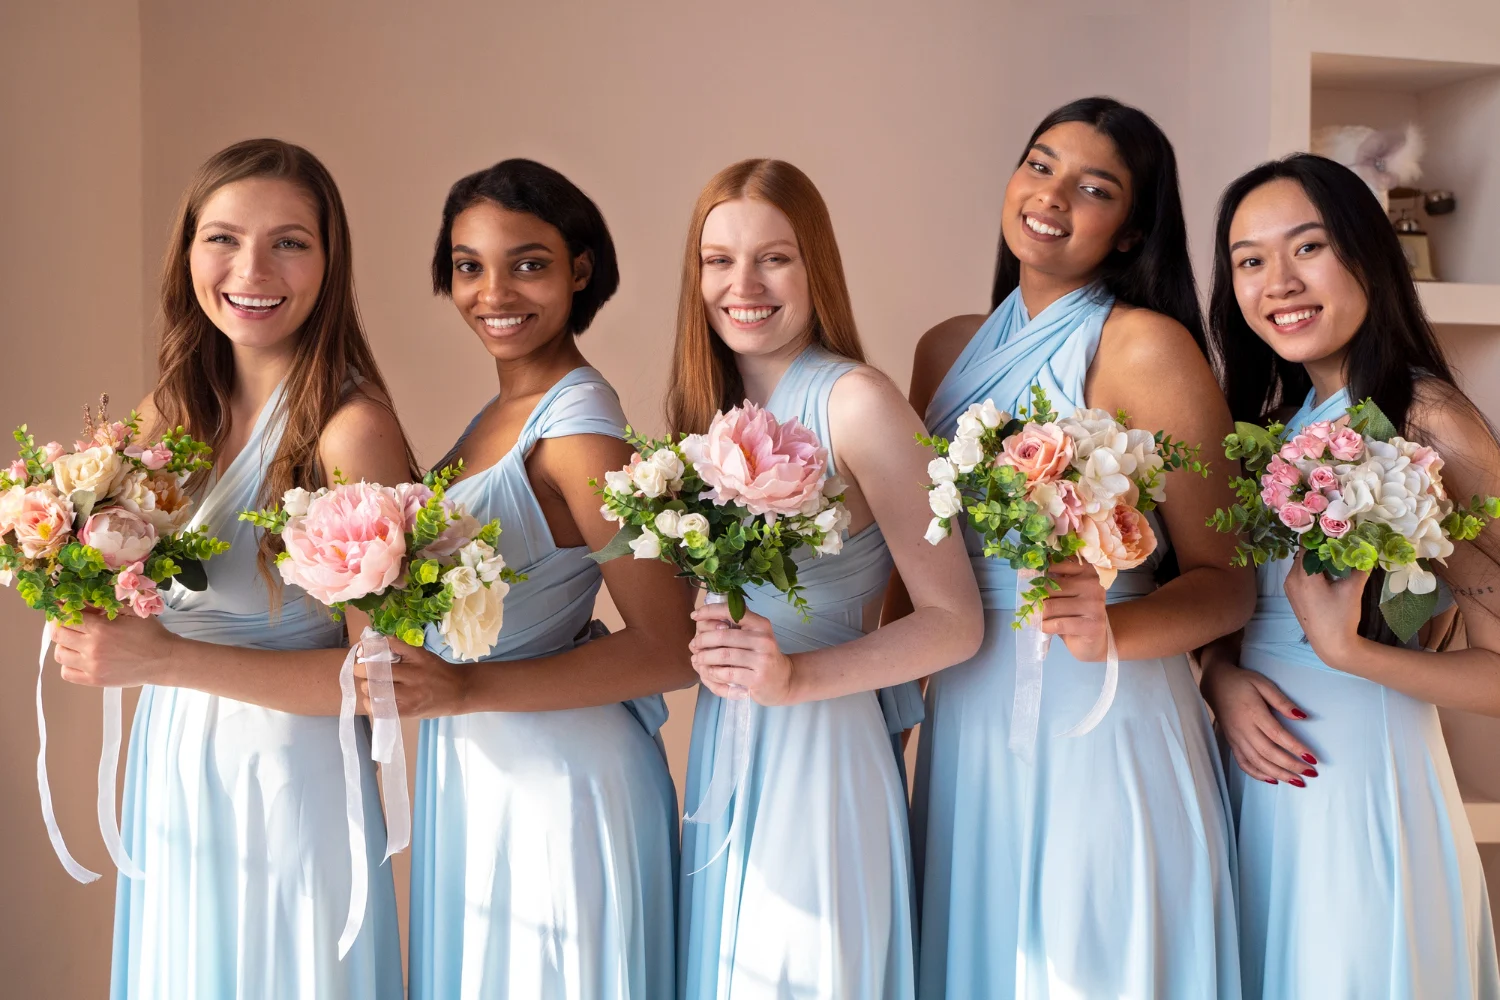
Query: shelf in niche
(1452, 303)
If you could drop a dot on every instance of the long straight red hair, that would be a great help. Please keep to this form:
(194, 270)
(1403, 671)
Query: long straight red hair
(705, 377)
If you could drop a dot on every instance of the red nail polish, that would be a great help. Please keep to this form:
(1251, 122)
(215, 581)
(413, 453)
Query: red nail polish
(1298, 782)
(1297, 713)
(1310, 758)
(1310, 773)
(1270, 781)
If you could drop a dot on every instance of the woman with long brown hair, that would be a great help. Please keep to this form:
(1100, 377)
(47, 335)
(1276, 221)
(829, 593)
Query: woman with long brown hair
(802, 886)
(234, 792)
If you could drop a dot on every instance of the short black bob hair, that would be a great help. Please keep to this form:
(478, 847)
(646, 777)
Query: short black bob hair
(527, 186)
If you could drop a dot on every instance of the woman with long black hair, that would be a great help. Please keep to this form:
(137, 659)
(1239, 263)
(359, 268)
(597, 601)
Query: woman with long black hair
(1362, 879)
(1099, 865)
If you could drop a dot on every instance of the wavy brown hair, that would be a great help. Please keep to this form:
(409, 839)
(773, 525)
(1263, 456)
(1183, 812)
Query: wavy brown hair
(196, 361)
(705, 378)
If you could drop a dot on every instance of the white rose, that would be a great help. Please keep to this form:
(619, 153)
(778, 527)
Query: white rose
(965, 453)
(646, 545)
(667, 523)
(693, 522)
(96, 469)
(941, 470)
(472, 624)
(618, 481)
(832, 521)
(610, 515)
(295, 500)
(992, 416)
(483, 560)
(969, 425)
(668, 462)
(649, 479)
(462, 580)
(935, 531)
(945, 500)
(833, 486)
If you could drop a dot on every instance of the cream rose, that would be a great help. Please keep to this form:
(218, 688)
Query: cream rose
(95, 469)
(472, 624)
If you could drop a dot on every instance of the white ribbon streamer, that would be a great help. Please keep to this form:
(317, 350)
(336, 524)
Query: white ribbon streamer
(359, 875)
(54, 834)
(1031, 653)
(731, 760)
(109, 759)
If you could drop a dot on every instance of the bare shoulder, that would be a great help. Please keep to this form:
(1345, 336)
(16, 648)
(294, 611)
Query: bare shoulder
(1135, 336)
(937, 350)
(364, 440)
(1448, 420)
(865, 394)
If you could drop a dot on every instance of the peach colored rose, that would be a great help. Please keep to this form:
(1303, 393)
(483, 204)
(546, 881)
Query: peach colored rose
(43, 521)
(350, 543)
(120, 536)
(748, 458)
(157, 497)
(138, 590)
(1121, 540)
(1041, 451)
(1346, 444)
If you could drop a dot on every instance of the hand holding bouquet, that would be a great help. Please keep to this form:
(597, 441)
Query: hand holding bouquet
(103, 526)
(1038, 490)
(1352, 495)
(407, 557)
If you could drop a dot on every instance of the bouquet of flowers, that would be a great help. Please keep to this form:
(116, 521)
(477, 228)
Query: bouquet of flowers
(1353, 495)
(102, 526)
(407, 557)
(728, 508)
(1038, 490)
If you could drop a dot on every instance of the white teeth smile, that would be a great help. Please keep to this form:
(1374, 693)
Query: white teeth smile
(751, 315)
(1043, 228)
(1288, 318)
(251, 302)
(503, 322)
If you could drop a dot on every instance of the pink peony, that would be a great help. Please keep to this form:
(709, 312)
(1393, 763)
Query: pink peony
(120, 536)
(1042, 452)
(1347, 445)
(350, 543)
(1060, 501)
(1296, 516)
(42, 519)
(1333, 527)
(1323, 478)
(53, 451)
(11, 502)
(1122, 539)
(135, 588)
(17, 471)
(748, 458)
(1273, 494)
(153, 457)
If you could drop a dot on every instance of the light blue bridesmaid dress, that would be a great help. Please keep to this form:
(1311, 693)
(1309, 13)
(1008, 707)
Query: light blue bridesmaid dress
(811, 898)
(544, 843)
(1366, 883)
(1104, 868)
(235, 813)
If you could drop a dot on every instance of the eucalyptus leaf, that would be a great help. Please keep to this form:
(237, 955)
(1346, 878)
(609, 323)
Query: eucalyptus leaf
(619, 545)
(83, 506)
(1369, 420)
(1406, 612)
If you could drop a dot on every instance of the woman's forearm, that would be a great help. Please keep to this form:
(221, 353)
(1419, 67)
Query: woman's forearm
(922, 643)
(1185, 614)
(1465, 679)
(299, 681)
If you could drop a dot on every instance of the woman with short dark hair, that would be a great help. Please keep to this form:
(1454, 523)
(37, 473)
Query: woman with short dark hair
(545, 828)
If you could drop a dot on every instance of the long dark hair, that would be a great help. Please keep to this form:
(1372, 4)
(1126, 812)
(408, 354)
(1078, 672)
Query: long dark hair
(1155, 273)
(1392, 348)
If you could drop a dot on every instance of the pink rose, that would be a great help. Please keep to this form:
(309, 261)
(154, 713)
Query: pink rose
(1296, 516)
(120, 536)
(18, 471)
(1323, 478)
(1304, 445)
(53, 451)
(1315, 502)
(461, 530)
(152, 458)
(1333, 527)
(1282, 472)
(748, 458)
(1273, 494)
(1321, 430)
(1346, 444)
(43, 519)
(1120, 540)
(1042, 452)
(350, 543)
(135, 588)
(1060, 501)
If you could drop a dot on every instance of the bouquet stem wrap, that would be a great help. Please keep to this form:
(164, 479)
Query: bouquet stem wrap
(109, 756)
(387, 748)
(1031, 653)
(731, 760)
